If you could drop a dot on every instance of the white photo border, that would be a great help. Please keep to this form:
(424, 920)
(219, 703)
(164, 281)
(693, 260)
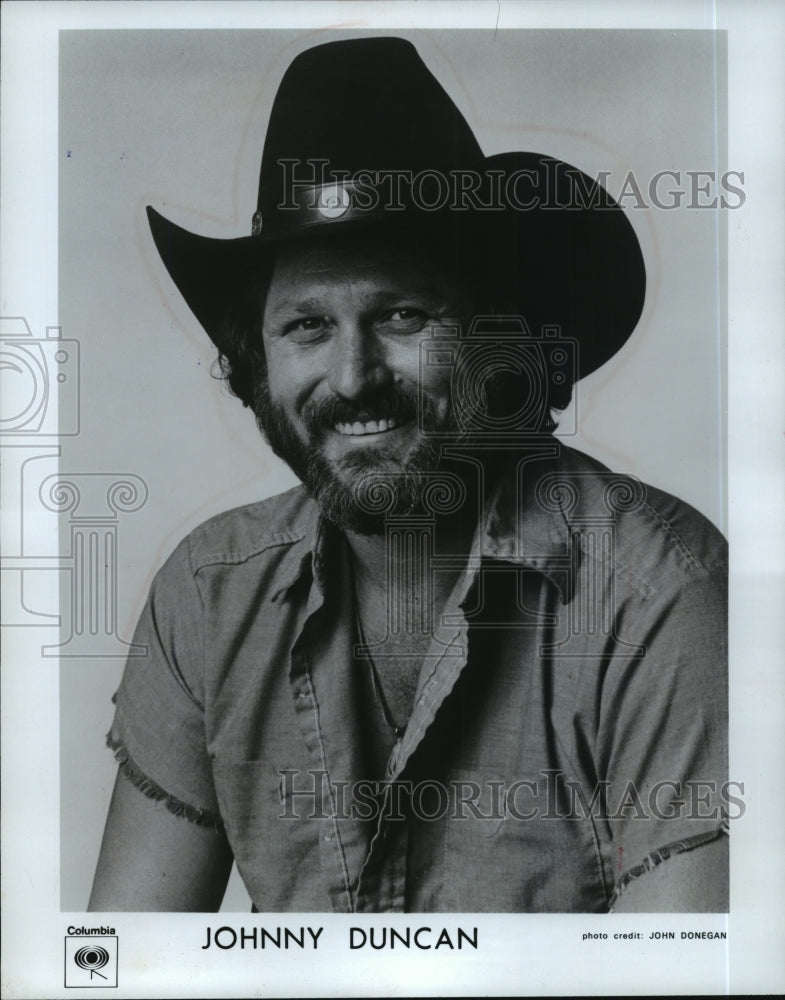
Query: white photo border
(160, 954)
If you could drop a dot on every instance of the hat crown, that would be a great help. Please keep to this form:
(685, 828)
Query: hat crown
(365, 104)
(371, 105)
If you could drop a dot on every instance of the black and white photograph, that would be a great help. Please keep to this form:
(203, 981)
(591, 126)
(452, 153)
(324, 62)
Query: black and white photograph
(381, 490)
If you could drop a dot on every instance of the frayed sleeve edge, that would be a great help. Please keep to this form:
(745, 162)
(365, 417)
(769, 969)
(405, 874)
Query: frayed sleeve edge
(130, 770)
(651, 861)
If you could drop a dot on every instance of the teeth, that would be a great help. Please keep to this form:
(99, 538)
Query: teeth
(371, 427)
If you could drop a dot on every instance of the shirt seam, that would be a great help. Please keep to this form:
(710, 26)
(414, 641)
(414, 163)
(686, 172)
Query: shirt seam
(278, 540)
(202, 642)
(679, 542)
(599, 867)
(680, 546)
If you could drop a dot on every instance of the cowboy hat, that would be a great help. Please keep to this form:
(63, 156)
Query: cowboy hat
(361, 134)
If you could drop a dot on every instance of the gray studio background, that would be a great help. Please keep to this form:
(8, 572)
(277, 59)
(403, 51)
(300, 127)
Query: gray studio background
(176, 119)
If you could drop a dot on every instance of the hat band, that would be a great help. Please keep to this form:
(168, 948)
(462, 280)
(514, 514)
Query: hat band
(315, 205)
(373, 195)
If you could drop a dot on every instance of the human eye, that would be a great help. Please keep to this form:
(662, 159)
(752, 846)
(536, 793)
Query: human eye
(404, 319)
(306, 329)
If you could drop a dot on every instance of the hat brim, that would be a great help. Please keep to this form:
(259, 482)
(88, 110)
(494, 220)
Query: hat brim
(211, 273)
(577, 268)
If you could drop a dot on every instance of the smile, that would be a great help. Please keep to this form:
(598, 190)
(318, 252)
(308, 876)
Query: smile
(371, 427)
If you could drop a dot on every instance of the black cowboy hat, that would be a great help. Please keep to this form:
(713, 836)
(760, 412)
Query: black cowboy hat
(361, 134)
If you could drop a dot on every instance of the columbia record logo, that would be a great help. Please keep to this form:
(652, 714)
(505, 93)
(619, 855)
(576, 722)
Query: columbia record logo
(90, 961)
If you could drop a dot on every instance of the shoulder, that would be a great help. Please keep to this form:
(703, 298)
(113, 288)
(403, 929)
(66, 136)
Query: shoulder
(239, 534)
(242, 534)
(658, 539)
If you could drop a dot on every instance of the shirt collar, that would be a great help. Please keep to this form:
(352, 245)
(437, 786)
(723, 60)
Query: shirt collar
(524, 524)
(306, 553)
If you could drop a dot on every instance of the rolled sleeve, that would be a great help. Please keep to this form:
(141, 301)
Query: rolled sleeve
(158, 732)
(664, 740)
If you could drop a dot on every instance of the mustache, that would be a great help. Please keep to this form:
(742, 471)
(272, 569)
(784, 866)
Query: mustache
(400, 404)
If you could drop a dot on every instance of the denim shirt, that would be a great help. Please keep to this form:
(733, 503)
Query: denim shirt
(568, 734)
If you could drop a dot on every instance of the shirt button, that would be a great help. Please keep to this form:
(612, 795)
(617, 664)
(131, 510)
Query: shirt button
(328, 837)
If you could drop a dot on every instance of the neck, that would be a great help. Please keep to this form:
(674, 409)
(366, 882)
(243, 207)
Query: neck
(376, 559)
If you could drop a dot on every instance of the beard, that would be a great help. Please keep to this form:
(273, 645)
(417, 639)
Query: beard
(361, 491)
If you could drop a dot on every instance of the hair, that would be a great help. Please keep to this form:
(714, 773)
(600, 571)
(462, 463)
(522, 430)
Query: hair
(241, 360)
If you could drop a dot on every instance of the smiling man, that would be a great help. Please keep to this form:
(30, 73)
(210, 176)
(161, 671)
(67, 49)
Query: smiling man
(462, 667)
(341, 331)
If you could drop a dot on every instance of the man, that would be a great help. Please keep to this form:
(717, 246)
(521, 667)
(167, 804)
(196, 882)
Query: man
(463, 667)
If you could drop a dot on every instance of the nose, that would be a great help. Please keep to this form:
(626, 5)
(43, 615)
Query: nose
(357, 363)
